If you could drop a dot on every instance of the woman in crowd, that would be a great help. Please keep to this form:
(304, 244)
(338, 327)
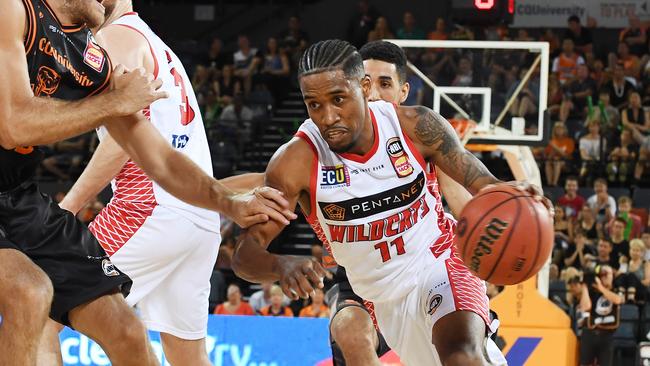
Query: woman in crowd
(276, 308)
(634, 278)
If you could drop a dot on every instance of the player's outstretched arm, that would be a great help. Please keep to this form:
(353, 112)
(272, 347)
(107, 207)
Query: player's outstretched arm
(106, 162)
(181, 177)
(438, 143)
(27, 120)
(243, 182)
(251, 261)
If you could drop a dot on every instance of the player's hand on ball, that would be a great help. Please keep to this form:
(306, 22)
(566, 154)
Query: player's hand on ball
(134, 90)
(299, 276)
(260, 205)
(536, 192)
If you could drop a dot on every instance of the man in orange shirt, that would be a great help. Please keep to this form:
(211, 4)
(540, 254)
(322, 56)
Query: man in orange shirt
(234, 305)
(565, 65)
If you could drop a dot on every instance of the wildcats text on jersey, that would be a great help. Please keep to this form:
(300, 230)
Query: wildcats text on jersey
(361, 207)
(390, 226)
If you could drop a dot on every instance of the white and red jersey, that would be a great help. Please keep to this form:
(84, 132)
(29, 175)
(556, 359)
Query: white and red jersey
(377, 213)
(178, 119)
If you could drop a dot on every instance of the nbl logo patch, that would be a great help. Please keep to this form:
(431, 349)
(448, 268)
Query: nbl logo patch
(335, 176)
(398, 157)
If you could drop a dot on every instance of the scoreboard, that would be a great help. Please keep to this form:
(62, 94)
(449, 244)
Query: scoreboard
(482, 12)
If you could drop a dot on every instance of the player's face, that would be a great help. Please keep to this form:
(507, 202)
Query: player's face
(337, 105)
(89, 12)
(385, 83)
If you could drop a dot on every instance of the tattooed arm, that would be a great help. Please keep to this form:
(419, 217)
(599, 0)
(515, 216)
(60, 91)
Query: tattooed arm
(438, 143)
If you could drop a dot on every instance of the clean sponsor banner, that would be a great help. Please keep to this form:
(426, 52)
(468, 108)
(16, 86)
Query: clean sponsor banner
(548, 13)
(231, 341)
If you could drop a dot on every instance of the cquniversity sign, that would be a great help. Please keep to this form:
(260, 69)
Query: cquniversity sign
(231, 341)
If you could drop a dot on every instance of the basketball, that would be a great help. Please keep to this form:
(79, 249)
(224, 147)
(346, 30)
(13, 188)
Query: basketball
(504, 235)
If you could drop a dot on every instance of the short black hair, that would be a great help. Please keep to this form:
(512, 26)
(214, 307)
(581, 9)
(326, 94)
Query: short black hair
(574, 18)
(572, 177)
(386, 52)
(330, 55)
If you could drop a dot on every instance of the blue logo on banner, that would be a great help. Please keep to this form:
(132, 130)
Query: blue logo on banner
(231, 341)
(521, 350)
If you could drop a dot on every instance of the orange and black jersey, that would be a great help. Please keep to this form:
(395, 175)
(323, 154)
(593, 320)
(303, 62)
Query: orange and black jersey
(64, 62)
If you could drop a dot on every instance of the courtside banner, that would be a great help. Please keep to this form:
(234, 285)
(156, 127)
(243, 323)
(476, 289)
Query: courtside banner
(548, 13)
(232, 341)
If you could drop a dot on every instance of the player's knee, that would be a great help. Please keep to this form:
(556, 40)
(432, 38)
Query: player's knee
(133, 333)
(32, 292)
(352, 327)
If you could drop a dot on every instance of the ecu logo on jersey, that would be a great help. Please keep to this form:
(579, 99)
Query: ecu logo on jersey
(334, 212)
(398, 157)
(335, 176)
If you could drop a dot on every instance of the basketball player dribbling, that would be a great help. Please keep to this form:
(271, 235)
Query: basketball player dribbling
(354, 339)
(47, 50)
(168, 248)
(367, 199)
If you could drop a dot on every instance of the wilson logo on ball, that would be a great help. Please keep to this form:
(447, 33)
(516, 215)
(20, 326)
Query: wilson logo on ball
(493, 231)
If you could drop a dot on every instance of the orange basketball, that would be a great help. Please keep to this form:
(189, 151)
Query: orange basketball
(504, 235)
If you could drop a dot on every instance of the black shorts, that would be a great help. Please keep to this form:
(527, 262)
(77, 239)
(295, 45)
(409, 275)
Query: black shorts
(61, 246)
(340, 297)
(596, 345)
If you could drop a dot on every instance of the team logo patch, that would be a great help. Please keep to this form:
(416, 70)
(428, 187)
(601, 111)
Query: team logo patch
(334, 212)
(433, 303)
(47, 82)
(93, 55)
(398, 157)
(109, 268)
(335, 176)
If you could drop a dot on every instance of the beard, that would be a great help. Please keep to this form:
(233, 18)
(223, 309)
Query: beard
(342, 149)
(88, 12)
